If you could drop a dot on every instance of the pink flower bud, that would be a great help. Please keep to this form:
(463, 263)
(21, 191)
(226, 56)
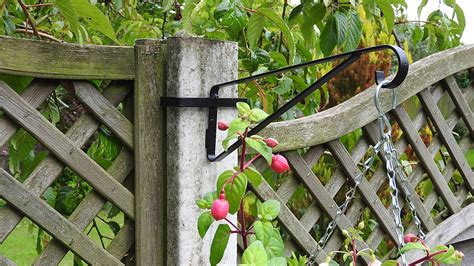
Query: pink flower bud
(375, 263)
(271, 142)
(221, 125)
(279, 164)
(409, 238)
(220, 207)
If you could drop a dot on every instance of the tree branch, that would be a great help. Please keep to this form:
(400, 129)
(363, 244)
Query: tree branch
(28, 18)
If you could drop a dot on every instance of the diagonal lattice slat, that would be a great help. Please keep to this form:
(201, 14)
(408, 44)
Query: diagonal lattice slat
(50, 168)
(105, 111)
(39, 211)
(87, 210)
(32, 121)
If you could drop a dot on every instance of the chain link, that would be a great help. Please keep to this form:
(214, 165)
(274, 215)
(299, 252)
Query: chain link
(393, 168)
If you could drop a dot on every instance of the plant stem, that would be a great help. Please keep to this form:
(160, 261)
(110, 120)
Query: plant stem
(98, 232)
(28, 18)
(251, 161)
(354, 253)
(285, 4)
(163, 25)
(427, 257)
(231, 223)
(243, 230)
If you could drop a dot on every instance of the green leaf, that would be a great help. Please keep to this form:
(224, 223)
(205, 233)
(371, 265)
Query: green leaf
(388, 13)
(341, 23)
(225, 142)
(204, 222)
(421, 6)
(269, 210)
(449, 3)
(68, 11)
(295, 12)
(354, 31)
(237, 125)
(253, 176)
(234, 190)
(257, 115)
(230, 16)
(243, 108)
(255, 254)
(460, 16)
(328, 37)
(94, 17)
(167, 4)
(411, 246)
(275, 18)
(317, 13)
(263, 231)
(277, 261)
(254, 29)
(114, 227)
(275, 247)
(261, 147)
(390, 263)
(284, 85)
(279, 58)
(219, 243)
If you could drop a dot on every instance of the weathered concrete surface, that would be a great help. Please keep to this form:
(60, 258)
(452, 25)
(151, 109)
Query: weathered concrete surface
(192, 66)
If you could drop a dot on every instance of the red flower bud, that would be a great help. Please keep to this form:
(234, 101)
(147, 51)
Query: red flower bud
(221, 125)
(220, 208)
(279, 164)
(409, 238)
(271, 142)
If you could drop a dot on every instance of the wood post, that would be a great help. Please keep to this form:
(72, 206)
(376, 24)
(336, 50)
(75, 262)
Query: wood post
(149, 130)
(192, 67)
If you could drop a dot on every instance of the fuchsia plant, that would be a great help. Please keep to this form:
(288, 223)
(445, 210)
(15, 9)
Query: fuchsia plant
(262, 242)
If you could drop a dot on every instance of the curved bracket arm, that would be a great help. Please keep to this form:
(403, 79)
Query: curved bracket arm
(350, 57)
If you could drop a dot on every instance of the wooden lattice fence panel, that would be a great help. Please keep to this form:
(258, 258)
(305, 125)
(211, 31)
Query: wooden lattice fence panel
(107, 105)
(24, 199)
(322, 135)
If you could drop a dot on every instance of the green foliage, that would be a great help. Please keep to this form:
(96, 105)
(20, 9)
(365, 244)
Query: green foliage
(219, 243)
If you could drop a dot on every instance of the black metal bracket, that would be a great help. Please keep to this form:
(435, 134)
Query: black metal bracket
(214, 102)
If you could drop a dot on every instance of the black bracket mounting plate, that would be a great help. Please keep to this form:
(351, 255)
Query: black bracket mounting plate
(214, 102)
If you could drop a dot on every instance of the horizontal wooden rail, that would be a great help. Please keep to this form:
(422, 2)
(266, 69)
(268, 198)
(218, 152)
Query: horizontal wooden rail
(65, 61)
(360, 110)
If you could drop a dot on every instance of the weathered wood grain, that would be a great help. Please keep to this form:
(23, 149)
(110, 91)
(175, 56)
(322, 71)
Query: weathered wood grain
(50, 168)
(65, 61)
(425, 159)
(123, 241)
(86, 211)
(446, 135)
(57, 143)
(36, 93)
(319, 193)
(462, 105)
(370, 198)
(6, 262)
(360, 110)
(149, 133)
(51, 221)
(371, 132)
(105, 111)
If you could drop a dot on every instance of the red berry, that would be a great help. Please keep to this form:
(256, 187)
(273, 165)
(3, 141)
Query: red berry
(221, 125)
(279, 164)
(271, 142)
(220, 207)
(409, 238)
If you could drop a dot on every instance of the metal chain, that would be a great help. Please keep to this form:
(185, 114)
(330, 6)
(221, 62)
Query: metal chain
(350, 194)
(393, 168)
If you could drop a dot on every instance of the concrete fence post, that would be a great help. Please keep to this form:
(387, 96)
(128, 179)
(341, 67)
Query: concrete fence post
(192, 66)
